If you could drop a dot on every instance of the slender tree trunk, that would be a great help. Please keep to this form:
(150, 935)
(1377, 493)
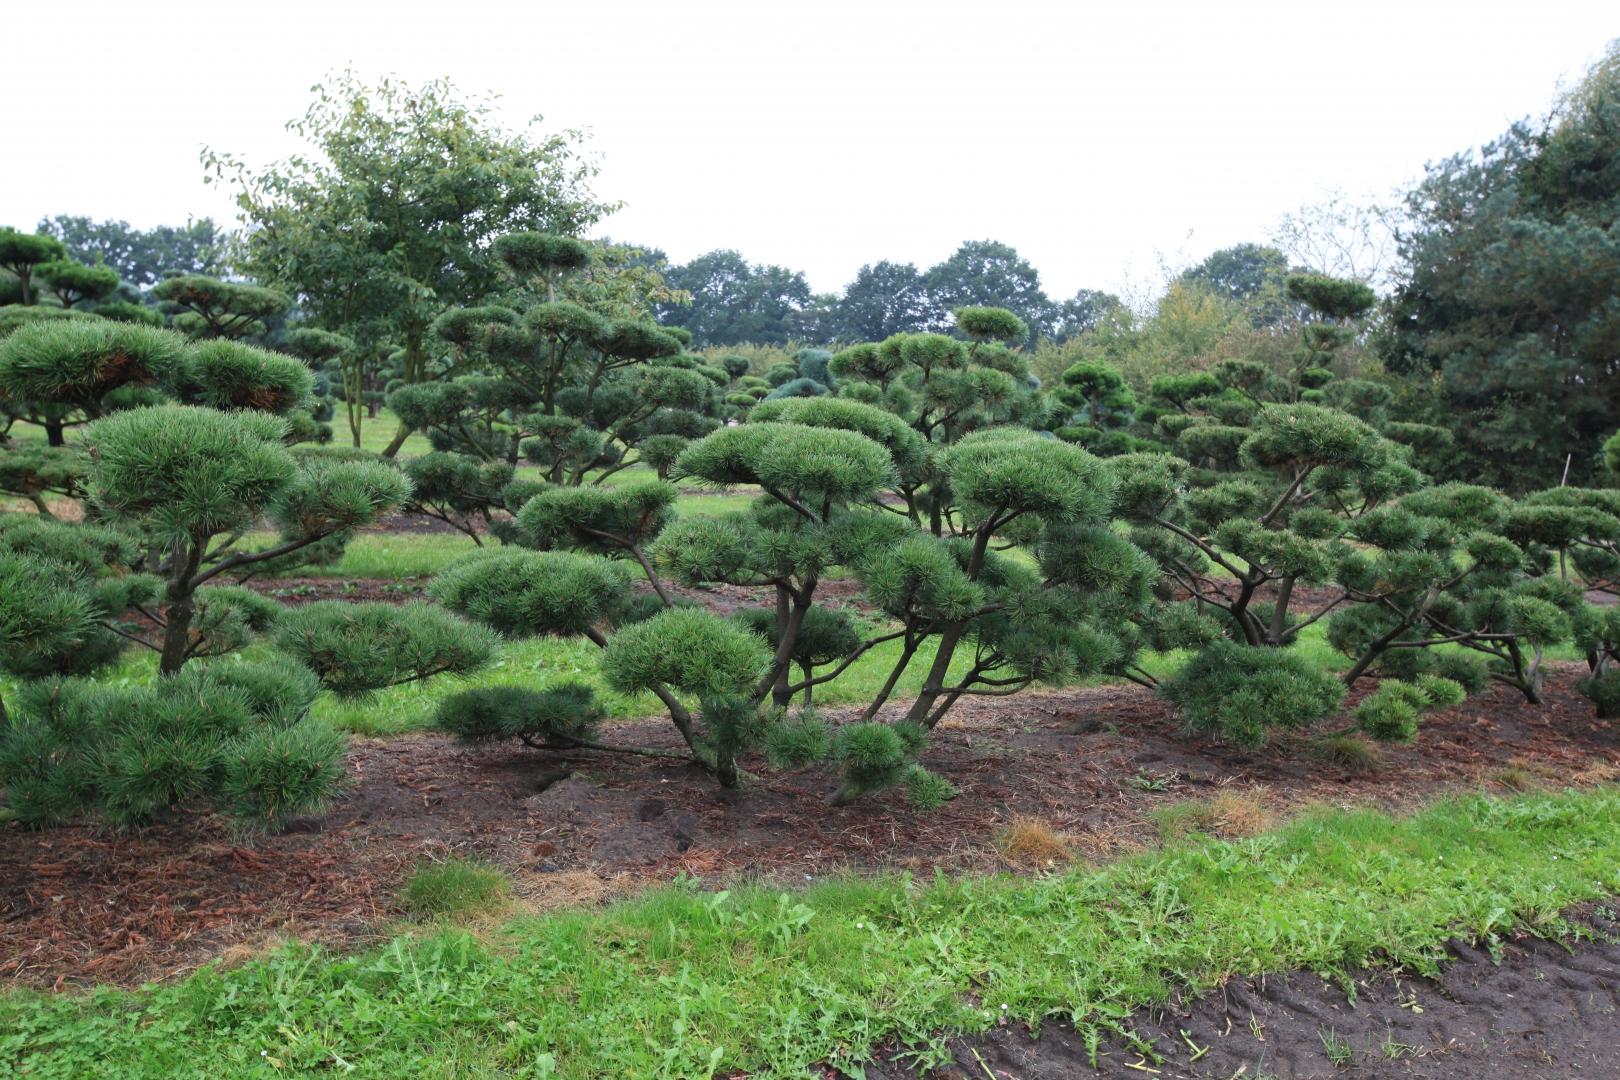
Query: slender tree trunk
(1526, 680)
(1253, 634)
(784, 615)
(906, 653)
(179, 609)
(725, 770)
(177, 616)
(1279, 613)
(54, 434)
(396, 442)
(934, 681)
(414, 363)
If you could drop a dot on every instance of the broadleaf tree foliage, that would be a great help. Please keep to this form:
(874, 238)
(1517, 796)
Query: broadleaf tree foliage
(384, 225)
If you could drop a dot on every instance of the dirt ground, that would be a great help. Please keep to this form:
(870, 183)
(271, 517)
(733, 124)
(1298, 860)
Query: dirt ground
(81, 904)
(1545, 1012)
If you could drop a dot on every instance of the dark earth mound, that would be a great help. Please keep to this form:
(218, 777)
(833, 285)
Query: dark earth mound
(1546, 1011)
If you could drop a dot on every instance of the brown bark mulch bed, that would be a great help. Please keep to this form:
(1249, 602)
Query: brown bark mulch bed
(80, 904)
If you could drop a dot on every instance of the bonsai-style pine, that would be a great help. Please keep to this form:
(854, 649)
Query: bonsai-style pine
(174, 489)
(22, 253)
(205, 307)
(75, 282)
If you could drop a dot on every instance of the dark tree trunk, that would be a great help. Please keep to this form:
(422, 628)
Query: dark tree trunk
(177, 618)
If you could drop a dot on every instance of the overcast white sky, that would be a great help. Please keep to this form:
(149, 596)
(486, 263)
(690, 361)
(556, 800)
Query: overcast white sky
(823, 135)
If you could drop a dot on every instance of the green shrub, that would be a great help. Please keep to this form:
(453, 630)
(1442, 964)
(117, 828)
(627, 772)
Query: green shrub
(1603, 690)
(355, 649)
(1390, 714)
(560, 716)
(870, 757)
(524, 593)
(77, 363)
(990, 323)
(278, 772)
(927, 790)
(1241, 693)
(687, 649)
(229, 375)
(234, 733)
(798, 741)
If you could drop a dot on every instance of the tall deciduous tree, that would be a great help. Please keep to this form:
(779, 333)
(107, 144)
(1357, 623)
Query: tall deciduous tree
(734, 301)
(885, 298)
(1085, 311)
(142, 257)
(1250, 275)
(386, 223)
(986, 273)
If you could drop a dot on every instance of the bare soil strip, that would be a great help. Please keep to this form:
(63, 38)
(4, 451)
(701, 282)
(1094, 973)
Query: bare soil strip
(1547, 1011)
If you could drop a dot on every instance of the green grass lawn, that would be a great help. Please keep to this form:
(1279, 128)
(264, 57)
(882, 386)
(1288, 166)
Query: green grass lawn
(536, 663)
(387, 555)
(403, 554)
(542, 662)
(687, 983)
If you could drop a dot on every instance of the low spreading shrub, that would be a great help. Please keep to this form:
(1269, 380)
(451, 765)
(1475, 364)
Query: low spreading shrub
(1243, 693)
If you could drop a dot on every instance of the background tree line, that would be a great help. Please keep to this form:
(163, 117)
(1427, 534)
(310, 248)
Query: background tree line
(1497, 271)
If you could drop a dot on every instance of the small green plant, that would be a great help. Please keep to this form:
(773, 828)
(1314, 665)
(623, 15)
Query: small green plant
(1336, 1047)
(1391, 713)
(455, 887)
(1393, 1049)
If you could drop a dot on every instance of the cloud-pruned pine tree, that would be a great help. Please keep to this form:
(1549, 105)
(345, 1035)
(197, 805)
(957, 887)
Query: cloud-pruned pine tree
(966, 617)
(173, 489)
(21, 255)
(578, 392)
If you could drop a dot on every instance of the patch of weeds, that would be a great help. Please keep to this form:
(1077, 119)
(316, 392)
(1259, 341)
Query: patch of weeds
(1146, 781)
(455, 888)
(1393, 1049)
(1349, 752)
(1032, 843)
(1231, 813)
(1515, 778)
(1336, 1047)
